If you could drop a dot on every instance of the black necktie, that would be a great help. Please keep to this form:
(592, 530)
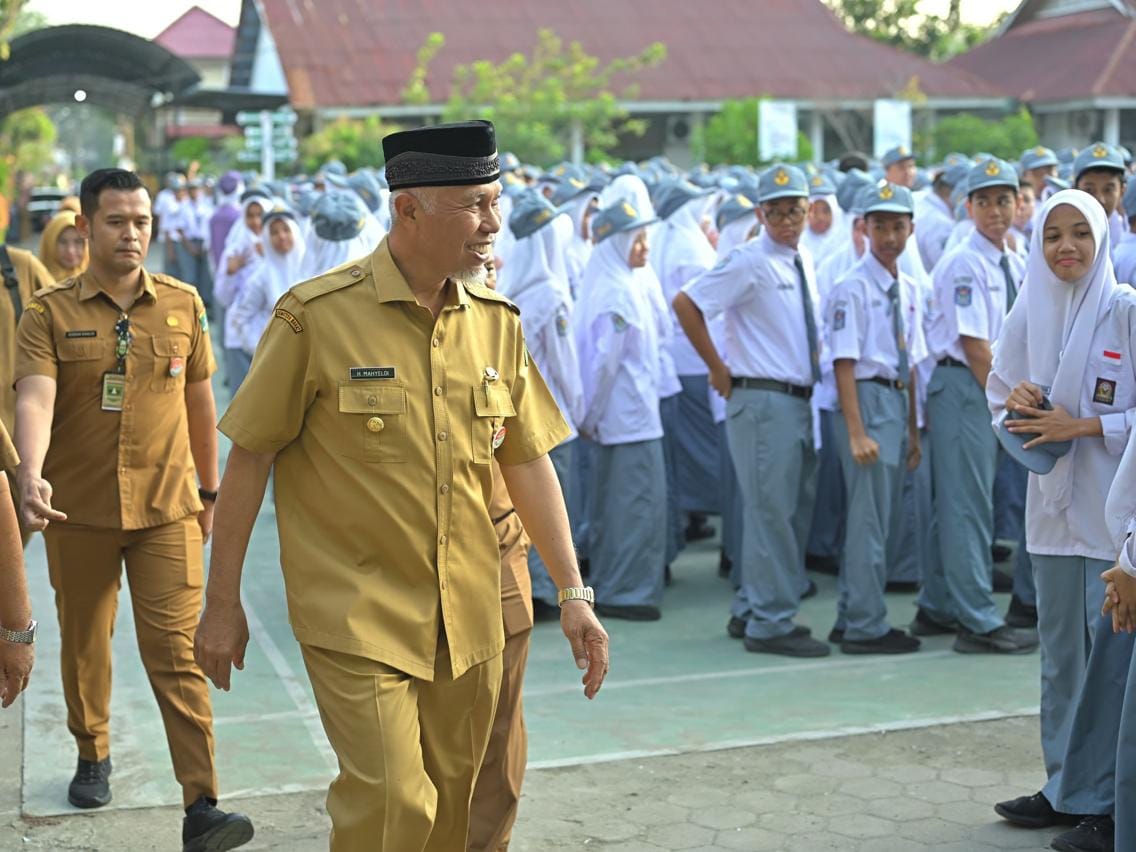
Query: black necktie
(810, 318)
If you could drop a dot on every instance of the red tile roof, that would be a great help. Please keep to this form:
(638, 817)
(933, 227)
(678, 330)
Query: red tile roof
(339, 53)
(1070, 57)
(198, 35)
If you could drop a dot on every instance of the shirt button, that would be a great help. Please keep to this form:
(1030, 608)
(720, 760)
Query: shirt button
(442, 436)
(437, 391)
(442, 540)
(436, 343)
(445, 489)
(375, 424)
(122, 470)
(372, 400)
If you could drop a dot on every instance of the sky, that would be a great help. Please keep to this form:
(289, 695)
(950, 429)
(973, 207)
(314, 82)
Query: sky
(147, 19)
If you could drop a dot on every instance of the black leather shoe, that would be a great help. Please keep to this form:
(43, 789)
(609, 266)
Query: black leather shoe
(788, 646)
(725, 565)
(1000, 553)
(892, 642)
(836, 635)
(925, 625)
(1033, 812)
(1003, 582)
(736, 628)
(901, 587)
(629, 613)
(1020, 615)
(1092, 834)
(810, 592)
(90, 788)
(822, 564)
(209, 829)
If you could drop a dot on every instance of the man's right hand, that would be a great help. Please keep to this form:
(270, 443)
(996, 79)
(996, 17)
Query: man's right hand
(35, 503)
(721, 381)
(220, 642)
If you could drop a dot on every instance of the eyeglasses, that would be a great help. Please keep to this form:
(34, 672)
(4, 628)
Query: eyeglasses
(124, 338)
(794, 215)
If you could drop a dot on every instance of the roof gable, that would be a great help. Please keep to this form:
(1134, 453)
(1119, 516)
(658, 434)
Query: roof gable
(198, 35)
(355, 53)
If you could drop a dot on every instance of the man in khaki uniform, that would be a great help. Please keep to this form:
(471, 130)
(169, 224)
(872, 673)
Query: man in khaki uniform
(114, 415)
(22, 275)
(381, 392)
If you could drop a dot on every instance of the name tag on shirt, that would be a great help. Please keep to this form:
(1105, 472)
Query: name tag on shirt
(365, 373)
(73, 334)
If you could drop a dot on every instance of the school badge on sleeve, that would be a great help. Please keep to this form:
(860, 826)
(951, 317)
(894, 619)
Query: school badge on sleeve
(839, 319)
(964, 295)
(1104, 392)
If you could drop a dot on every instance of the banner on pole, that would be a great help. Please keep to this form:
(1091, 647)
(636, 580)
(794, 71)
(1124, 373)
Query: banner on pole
(777, 130)
(891, 122)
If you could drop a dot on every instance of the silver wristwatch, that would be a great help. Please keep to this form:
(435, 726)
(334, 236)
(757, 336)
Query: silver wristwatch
(20, 637)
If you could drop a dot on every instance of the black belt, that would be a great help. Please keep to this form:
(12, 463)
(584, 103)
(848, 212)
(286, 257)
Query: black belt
(953, 362)
(770, 385)
(496, 521)
(894, 384)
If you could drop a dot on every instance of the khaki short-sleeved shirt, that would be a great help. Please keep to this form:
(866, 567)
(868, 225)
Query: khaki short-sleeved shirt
(32, 276)
(385, 423)
(9, 460)
(129, 469)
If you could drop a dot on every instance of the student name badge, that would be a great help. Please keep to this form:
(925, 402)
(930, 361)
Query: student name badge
(114, 391)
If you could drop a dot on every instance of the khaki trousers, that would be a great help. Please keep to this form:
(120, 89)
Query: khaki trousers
(408, 749)
(165, 573)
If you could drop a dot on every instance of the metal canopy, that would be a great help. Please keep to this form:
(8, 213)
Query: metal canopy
(116, 69)
(232, 100)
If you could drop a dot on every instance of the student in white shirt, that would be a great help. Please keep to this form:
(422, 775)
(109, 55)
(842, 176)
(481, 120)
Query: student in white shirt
(874, 332)
(619, 333)
(767, 291)
(826, 230)
(1070, 340)
(273, 277)
(1099, 170)
(1124, 253)
(974, 286)
(936, 216)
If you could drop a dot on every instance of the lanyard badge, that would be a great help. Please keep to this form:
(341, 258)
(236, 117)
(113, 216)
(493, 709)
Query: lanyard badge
(114, 382)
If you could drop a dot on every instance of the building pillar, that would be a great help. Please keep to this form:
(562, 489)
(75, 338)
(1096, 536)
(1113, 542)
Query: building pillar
(1112, 126)
(816, 134)
(577, 142)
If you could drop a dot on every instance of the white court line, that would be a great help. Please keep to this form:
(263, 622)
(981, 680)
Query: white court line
(757, 671)
(292, 684)
(799, 736)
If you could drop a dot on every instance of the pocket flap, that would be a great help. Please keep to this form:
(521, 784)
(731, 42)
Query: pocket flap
(80, 350)
(368, 399)
(493, 401)
(168, 345)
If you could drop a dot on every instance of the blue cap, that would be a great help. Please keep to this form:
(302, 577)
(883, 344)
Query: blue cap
(889, 198)
(1099, 155)
(305, 200)
(571, 184)
(897, 155)
(1066, 155)
(781, 181)
(922, 179)
(955, 159)
(673, 193)
(333, 167)
(956, 175)
(1040, 459)
(509, 162)
(991, 172)
(367, 188)
(1129, 201)
(531, 212)
(737, 206)
(1057, 183)
(511, 184)
(821, 184)
(620, 216)
(338, 216)
(336, 180)
(1125, 154)
(855, 182)
(1038, 158)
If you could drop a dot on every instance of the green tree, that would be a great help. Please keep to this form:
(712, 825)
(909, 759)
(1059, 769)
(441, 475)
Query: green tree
(969, 134)
(354, 141)
(27, 140)
(903, 24)
(730, 136)
(537, 100)
(9, 20)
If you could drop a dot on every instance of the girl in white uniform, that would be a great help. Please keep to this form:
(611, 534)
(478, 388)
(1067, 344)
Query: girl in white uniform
(274, 277)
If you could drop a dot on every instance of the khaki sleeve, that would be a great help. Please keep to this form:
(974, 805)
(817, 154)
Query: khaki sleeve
(9, 461)
(201, 364)
(268, 411)
(35, 343)
(538, 425)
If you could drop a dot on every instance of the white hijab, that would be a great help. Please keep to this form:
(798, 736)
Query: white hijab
(1056, 321)
(822, 245)
(734, 233)
(535, 278)
(275, 276)
(681, 242)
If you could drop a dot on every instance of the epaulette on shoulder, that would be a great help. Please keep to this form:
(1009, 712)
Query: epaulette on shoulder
(490, 295)
(170, 281)
(65, 284)
(332, 280)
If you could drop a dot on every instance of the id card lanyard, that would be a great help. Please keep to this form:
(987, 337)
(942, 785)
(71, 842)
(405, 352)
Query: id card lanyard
(114, 382)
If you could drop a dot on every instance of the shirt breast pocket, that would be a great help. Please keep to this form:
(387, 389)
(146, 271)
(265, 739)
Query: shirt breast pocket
(82, 361)
(374, 418)
(1112, 387)
(491, 405)
(171, 358)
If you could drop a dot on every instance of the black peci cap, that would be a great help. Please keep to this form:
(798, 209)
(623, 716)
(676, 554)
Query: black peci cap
(462, 154)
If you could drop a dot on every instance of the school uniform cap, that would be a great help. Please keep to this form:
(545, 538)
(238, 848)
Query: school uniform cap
(991, 172)
(531, 212)
(889, 198)
(821, 184)
(1038, 158)
(304, 200)
(1129, 200)
(781, 181)
(955, 158)
(333, 167)
(1099, 155)
(510, 162)
(620, 216)
(1066, 155)
(865, 195)
(461, 154)
(1058, 183)
(572, 184)
(338, 216)
(367, 188)
(673, 193)
(1125, 155)
(1040, 459)
(734, 208)
(956, 175)
(897, 155)
(855, 182)
(922, 179)
(336, 181)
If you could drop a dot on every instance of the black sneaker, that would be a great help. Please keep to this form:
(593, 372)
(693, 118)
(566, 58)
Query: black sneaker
(90, 788)
(209, 829)
(1021, 615)
(892, 642)
(698, 529)
(925, 625)
(810, 591)
(836, 635)
(1092, 834)
(1000, 552)
(629, 613)
(1033, 812)
(725, 565)
(901, 587)
(736, 629)
(1003, 583)
(789, 645)
(1004, 640)
(822, 564)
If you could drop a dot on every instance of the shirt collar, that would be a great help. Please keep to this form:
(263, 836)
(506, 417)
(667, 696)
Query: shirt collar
(89, 287)
(775, 248)
(986, 248)
(876, 272)
(390, 286)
